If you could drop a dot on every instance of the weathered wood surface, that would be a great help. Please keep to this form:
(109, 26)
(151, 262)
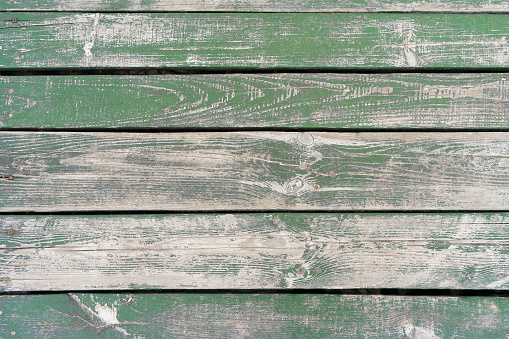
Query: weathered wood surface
(252, 316)
(250, 41)
(260, 100)
(239, 251)
(76, 171)
(259, 5)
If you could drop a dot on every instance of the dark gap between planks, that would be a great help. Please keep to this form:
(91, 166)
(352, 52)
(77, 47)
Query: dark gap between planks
(245, 11)
(235, 70)
(261, 211)
(356, 291)
(148, 130)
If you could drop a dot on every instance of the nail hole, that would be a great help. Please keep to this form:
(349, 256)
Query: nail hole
(11, 232)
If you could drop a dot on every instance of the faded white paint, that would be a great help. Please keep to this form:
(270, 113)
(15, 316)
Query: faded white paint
(90, 40)
(104, 316)
(418, 332)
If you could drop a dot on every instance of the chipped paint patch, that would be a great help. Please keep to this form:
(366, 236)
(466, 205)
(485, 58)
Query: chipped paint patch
(107, 314)
(499, 283)
(103, 316)
(89, 44)
(417, 332)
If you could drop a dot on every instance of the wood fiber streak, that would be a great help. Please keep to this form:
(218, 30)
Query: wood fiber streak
(253, 316)
(253, 41)
(73, 171)
(455, 251)
(264, 100)
(258, 5)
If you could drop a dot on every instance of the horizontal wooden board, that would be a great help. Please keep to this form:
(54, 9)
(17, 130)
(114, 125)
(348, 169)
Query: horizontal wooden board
(257, 100)
(239, 251)
(258, 5)
(252, 171)
(251, 316)
(252, 41)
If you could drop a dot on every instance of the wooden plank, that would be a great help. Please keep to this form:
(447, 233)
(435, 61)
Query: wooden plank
(239, 251)
(258, 6)
(251, 316)
(253, 171)
(257, 100)
(252, 41)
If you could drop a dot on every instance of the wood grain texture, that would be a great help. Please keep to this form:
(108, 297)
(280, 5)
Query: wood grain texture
(253, 41)
(258, 5)
(257, 101)
(239, 251)
(251, 316)
(249, 171)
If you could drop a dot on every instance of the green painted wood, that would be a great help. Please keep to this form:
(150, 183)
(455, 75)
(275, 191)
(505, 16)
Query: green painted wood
(257, 251)
(250, 171)
(263, 100)
(252, 316)
(251, 41)
(258, 5)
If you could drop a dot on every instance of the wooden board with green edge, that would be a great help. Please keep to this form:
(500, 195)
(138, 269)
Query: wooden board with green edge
(312, 41)
(327, 101)
(254, 251)
(258, 5)
(251, 316)
(253, 171)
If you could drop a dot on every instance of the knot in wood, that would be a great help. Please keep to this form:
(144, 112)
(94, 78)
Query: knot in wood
(294, 185)
(306, 139)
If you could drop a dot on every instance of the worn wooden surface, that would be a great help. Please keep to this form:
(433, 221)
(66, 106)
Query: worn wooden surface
(251, 316)
(256, 40)
(364, 101)
(294, 181)
(239, 251)
(259, 5)
(76, 171)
